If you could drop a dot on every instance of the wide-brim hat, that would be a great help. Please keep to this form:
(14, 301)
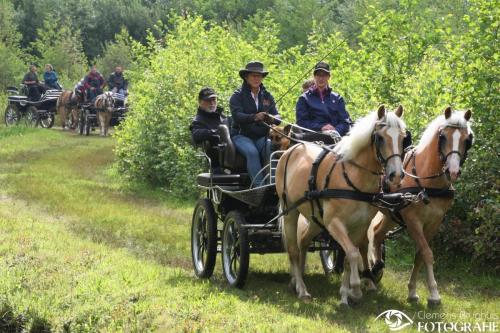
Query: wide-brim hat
(253, 67)
(322, 66)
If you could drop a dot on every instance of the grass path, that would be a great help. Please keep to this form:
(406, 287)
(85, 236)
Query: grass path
(81, 252)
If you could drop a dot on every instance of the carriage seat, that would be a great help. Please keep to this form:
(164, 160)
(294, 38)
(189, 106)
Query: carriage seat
(228, 156)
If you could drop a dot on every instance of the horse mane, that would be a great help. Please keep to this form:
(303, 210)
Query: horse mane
(456, 119)
(360, 134)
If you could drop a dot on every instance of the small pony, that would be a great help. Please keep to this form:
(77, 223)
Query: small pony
(104, 104)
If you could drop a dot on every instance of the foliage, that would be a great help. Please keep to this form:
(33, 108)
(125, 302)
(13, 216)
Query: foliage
(119, 52)
(12, 64)
(60, 46)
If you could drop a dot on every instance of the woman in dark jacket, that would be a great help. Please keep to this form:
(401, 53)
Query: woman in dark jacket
(319, 108)
(250, 106)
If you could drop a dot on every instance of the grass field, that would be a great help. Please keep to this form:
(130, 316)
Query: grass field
(82, 252)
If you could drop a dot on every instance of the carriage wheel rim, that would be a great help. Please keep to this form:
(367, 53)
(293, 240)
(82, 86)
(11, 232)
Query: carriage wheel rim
(11, 116)
(232, 252)
(200, 238)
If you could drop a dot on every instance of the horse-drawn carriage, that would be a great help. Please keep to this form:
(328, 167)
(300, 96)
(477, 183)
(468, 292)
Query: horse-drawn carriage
(87, 114)
(237, 218)
(33, 113)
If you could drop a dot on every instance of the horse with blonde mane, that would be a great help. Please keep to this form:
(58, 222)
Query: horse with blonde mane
(104, 104)
(433, 165)
(67, 104)
(353, 168)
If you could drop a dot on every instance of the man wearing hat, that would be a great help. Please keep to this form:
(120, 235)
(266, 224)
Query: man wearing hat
(205, 124)
(250, 106)
(319, 108)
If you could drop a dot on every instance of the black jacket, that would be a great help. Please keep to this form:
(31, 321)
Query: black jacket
(243, 110)
(205, 125)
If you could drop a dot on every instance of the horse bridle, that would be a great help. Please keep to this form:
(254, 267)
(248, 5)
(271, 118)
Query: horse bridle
(377, 141)
(442, 141)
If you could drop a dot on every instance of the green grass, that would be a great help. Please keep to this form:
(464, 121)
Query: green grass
(81, 251)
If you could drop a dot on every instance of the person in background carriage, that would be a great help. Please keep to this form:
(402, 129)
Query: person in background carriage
(93, 84)
(250, 106)
(50, 78)
(35, 89)
(116, 82)
(319, 108)
(205, 125)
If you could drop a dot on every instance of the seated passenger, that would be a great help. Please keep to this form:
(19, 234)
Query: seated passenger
(35, 89)
(319, 108)
(116, 82)
(205, 124)
(93, 84)
(50, 78)
(250, 106)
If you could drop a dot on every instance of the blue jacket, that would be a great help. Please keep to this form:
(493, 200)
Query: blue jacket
(243, 110)
(50, 79)
(313, 113)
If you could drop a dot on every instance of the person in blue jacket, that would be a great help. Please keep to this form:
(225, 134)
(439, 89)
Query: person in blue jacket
(319, 108)
(250, 106)
(50, 78)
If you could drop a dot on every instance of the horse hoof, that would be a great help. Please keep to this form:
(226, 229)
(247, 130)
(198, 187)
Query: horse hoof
(306, 298)
(432, 303)
(344, 306)
(413, 299)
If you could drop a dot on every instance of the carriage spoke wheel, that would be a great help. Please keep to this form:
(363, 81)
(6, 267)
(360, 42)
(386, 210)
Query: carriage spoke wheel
(235, 250)
(86, 124)
(48, 120)
(332, 260)
(31, 117)
(11, 115)
(204, 239)
(81, 122)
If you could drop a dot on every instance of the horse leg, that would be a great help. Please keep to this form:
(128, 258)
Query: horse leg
(377, 231)
(412, 284)
(339, 233)
(305, 232)
(344, 285)
(423, 248)
(367, 274)
(107, 123)
(62, 113)
(291, 244)
(100, 116)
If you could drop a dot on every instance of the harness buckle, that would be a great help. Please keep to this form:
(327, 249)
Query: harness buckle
(312, 195)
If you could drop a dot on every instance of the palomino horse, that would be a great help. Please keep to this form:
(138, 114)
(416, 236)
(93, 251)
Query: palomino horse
(67, 103)
(104, 105)
(373, 145)
(433, 165)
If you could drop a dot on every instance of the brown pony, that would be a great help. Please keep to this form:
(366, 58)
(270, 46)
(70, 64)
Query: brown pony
(67, 103)
(433, 165)
(373, 145)
(104, 105)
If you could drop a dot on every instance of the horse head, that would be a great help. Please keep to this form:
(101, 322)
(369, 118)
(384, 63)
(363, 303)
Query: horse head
(105, 102)
(455, 138)
(383, 132)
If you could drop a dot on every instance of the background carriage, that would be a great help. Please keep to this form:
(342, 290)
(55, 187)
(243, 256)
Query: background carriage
(32, 113)
(236, 219)
(87, 114)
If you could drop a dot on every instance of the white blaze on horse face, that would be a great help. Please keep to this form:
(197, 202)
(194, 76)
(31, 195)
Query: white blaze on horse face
(454, 159)
(394, 133)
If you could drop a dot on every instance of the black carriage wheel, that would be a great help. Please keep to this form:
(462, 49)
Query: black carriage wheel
(332, 260)
(235, 250)
(11, 115)
(48, 120)
(204, 239)
(86, 124)
(31, 117)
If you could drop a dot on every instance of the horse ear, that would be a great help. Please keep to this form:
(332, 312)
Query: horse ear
(467, 115)
(381, 111)
(447, 112)
(287, 129)
(399, 111)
